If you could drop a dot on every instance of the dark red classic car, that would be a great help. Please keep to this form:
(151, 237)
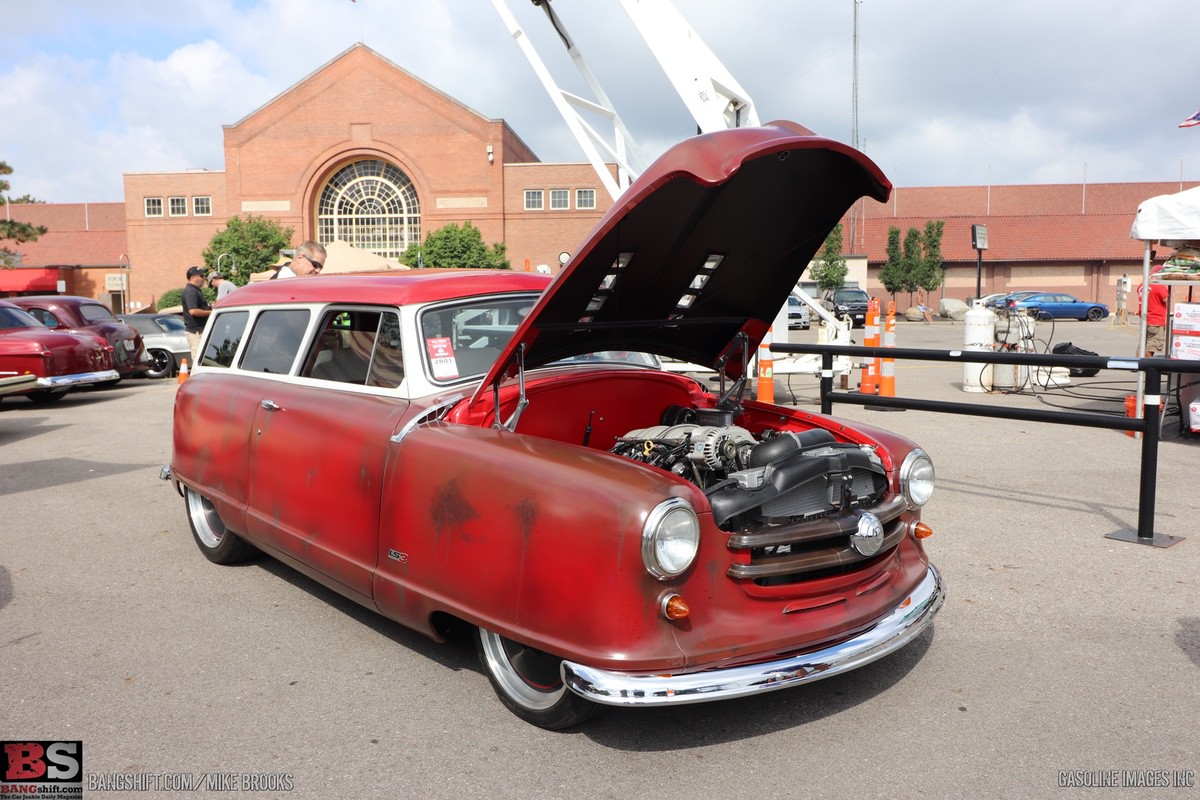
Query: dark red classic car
(476, 446)
(83, 314)
(57, 361)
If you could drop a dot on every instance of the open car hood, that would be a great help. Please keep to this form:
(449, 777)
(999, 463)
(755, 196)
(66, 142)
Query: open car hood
(705, 245)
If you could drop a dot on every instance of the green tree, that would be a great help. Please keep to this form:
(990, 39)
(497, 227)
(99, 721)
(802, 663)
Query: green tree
(10, 230)
(931, 274)
(453, 246)
(829, 269)
(254, 244)
(910, 260)
(891, 274)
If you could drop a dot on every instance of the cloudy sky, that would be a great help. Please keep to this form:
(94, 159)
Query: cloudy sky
(950, 93)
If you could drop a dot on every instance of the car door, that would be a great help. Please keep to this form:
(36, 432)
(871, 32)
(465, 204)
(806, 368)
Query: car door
(1062, 306)
(317, 449)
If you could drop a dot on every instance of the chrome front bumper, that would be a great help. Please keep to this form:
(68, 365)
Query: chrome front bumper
(891, 633)
(78, 379)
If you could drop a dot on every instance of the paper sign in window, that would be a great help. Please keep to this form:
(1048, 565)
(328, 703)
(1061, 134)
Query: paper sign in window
(441, 357)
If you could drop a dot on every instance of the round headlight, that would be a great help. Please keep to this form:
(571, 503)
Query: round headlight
(917, 478)
(670, 538)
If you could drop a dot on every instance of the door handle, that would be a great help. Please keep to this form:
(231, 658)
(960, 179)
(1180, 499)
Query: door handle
(271, 405)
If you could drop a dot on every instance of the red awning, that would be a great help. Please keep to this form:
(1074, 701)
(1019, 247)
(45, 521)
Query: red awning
(25, 279)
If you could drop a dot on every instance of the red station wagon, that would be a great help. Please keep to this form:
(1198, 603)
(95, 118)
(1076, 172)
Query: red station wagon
(58, 361)
(481, 446)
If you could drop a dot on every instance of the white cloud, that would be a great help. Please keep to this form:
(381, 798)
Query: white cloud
(945, 89)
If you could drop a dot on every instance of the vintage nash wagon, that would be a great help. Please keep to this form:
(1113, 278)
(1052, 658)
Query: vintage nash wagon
(494, 448)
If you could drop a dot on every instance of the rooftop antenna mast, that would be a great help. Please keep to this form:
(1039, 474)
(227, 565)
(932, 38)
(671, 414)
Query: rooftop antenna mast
(854, 121)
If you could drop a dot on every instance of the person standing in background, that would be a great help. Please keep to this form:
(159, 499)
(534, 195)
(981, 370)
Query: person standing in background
(1155, 309)
(221, 285)
(196, 309)
(309, 260)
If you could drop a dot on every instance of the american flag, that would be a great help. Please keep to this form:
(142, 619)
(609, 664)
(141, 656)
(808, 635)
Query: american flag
(1194, 119)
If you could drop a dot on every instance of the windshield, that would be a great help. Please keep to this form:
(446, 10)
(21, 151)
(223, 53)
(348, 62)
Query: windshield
(614, 357)
(463, 340)
(851, 296)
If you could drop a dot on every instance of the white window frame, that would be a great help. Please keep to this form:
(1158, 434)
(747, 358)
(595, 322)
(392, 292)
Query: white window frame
(580, 194)
(176, 201)
(535, 200)
(152, 206)
(202, 206)
(560, 199)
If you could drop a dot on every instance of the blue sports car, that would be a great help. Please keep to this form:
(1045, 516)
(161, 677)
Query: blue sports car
(1061, 306)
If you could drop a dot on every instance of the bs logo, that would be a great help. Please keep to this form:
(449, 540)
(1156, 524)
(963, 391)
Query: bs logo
(41, 762)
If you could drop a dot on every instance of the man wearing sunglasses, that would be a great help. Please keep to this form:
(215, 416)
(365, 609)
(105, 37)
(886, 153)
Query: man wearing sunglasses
(309, 260)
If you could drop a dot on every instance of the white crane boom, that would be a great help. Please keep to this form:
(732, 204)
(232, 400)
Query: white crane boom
(713, 97)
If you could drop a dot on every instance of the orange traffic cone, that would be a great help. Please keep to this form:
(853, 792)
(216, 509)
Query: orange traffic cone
(183, 370)
(870, 367)
(887, 367)
(766, 370)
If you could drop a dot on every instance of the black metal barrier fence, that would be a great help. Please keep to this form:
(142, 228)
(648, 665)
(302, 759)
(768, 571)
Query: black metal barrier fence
(1148, 425)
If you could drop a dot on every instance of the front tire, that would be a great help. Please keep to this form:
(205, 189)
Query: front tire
(1095, 314)
(45, 397)
(529, 683)
(219, 544)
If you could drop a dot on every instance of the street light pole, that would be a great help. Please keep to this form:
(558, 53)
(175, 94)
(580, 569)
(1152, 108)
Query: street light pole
(979, 240)
(125, 287)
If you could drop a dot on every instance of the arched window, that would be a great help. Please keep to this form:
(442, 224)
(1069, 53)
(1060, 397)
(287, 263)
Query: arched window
(373, 206)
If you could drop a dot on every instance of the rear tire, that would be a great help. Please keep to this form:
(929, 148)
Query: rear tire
(529, 683)
(164, 365)
(219, 544)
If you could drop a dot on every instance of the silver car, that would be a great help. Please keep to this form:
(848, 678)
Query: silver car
(798, 314)
(165, 339)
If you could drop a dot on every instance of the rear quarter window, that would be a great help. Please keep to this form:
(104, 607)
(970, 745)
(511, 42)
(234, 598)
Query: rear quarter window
(94, 312)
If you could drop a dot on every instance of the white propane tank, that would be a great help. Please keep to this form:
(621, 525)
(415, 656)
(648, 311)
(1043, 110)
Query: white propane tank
(979, 331)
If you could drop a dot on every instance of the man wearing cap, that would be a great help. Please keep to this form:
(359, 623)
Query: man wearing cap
(221, 286)
(196, 309)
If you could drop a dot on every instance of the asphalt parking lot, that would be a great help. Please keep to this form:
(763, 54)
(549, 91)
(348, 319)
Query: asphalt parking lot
(1062, 660)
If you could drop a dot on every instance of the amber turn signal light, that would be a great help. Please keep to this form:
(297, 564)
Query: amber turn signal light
(674, 607)
(922, 531)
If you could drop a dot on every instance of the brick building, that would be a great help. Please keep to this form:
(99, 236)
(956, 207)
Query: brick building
(365, 152)
(359, 150)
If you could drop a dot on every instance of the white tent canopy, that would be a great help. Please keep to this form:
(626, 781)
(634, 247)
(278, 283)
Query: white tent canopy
(342, 257)
(1169, 218)
(1173, 220)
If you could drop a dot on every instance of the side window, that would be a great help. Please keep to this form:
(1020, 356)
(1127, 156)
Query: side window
(275, 341)
(357, 347)
(387, 367)
(43, 316)
(223, 340)
(342, 350)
